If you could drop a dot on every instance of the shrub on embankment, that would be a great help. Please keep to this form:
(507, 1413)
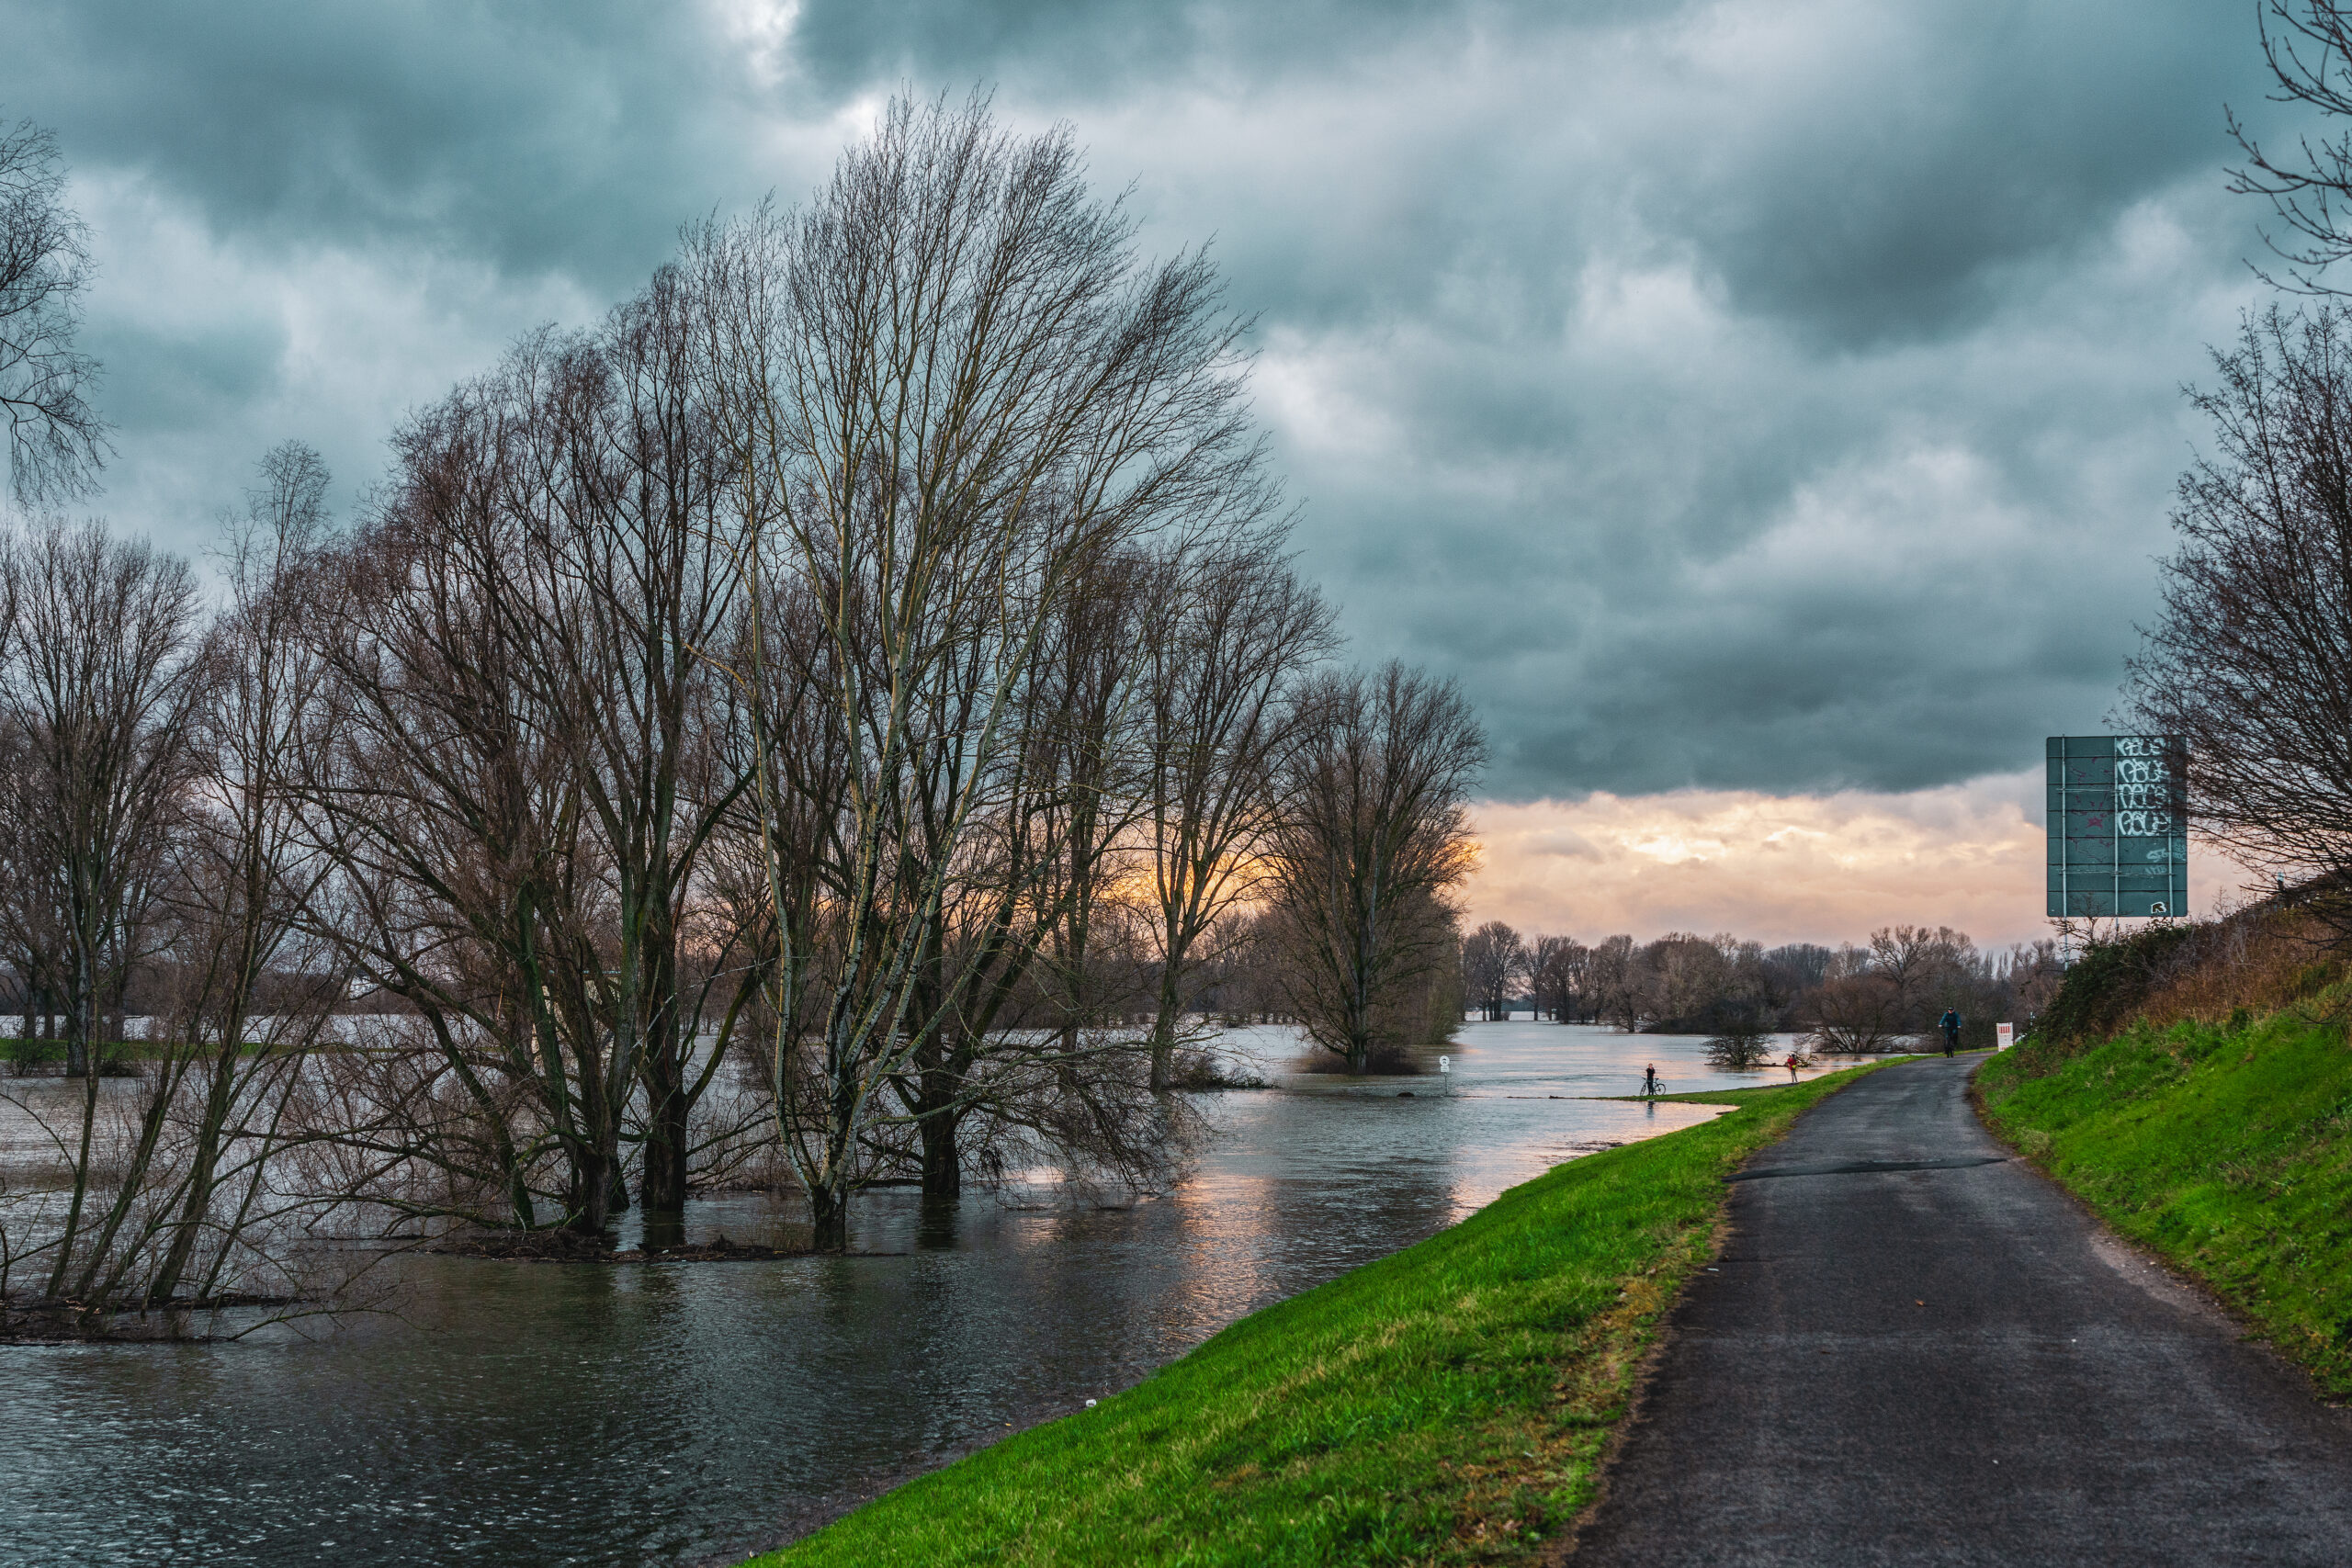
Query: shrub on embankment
(2226, 1146)
(2261, 959)
(1447, 1405)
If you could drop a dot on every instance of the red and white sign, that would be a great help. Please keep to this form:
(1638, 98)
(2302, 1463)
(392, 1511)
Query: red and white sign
(2004, 1035)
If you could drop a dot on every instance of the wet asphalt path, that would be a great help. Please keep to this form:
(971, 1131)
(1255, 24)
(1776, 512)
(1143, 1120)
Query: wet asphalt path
(1952, 1364)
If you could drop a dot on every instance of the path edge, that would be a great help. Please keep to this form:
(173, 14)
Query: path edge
(1561, 1548)
(2208, 1299)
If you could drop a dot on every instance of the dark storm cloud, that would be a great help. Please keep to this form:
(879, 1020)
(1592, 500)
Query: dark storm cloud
(1082, 46)
(1749, 395)
(570, 136)
(1887, 198)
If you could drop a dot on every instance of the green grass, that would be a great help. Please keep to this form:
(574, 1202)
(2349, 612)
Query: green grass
(1447, 1405)
(2224, 1149)
(14, 1048)
(1747, 1096)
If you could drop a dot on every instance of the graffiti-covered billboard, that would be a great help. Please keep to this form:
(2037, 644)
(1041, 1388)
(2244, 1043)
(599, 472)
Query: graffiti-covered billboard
(2119, 825)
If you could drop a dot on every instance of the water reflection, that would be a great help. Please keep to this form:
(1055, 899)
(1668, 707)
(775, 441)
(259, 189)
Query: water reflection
(534, 1414)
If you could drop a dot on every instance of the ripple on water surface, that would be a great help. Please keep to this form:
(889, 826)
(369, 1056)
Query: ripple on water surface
(534, 1414)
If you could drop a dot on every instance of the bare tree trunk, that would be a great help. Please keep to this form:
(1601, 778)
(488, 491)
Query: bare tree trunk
(204, 1165)
(1165, 1015)
(938, 1118)
(670, 1091)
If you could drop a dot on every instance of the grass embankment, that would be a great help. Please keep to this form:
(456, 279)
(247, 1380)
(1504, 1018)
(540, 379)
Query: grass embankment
(2224, 1146)
(25, 1056)
(1725, 1096)
(1447, 1405)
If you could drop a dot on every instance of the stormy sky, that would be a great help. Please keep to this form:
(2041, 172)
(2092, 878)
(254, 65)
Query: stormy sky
(1769, 397)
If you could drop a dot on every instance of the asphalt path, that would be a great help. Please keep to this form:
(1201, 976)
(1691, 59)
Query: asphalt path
(1916, 1350)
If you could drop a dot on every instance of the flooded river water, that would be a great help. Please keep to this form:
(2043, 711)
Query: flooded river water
(537, 1413)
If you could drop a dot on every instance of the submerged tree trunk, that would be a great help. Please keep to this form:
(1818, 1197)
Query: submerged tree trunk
(662, 1185)
(939, 1084)
(1163, 1031)
(829, 1214)
(943, 1166)
(203, 1164)
(78, 1020)
(81, 1187)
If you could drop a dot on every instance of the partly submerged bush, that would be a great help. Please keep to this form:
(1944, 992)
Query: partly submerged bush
(1201, 1071)
(1742, 1042)
(1389, 1058)
(26, 1054)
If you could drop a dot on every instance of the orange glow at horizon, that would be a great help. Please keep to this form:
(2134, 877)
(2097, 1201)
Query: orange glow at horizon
(1825, 868)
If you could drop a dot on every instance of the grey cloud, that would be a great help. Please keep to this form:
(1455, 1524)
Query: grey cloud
(573, 137)
(1564, 842)
(1778, 395)
(1094, 50)
(179, 383)
(1971, 138)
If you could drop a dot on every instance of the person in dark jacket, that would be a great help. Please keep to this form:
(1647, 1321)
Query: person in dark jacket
(1950, 1023)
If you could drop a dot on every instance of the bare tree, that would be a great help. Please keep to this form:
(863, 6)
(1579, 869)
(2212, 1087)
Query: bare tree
(253, 983)
(2308, 45)
(443, 781)
(1690, 977)
(1229, 634)
(1918, 963)
(2250, 661)
(1797, 967)
(946, 388)
(1741, 1042)
(1857, 1013)
(618, 497)
(1083, 754)
(1030, 926)
(1494, 958)
(1560, 974)
(1619, 985)
(1373, 838)
(100, 684)
(31, 915)
(56, 440)
(181, 1166)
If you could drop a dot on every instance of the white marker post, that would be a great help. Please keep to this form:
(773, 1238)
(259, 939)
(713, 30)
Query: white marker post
(2004, 1035)
(1446, 1071)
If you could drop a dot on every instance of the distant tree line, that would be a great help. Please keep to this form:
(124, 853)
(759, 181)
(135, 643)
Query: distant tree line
(833, 720)
(1876, 997)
